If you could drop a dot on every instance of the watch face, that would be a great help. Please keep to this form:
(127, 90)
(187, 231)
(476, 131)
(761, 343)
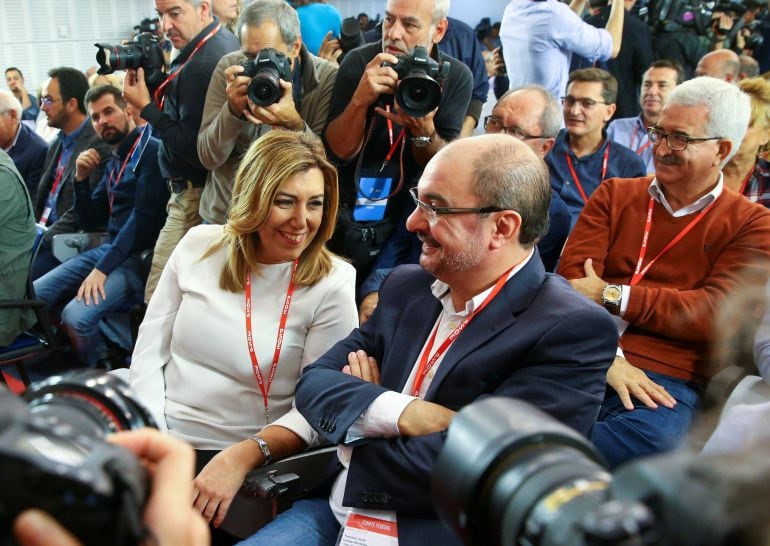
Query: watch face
(612, 294)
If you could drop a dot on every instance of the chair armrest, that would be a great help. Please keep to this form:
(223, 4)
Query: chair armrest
(23, 304)
(69, 245)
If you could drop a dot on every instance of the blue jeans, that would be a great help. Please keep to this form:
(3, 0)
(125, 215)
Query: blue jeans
(59, 287)
(310, 522)
(621, 435)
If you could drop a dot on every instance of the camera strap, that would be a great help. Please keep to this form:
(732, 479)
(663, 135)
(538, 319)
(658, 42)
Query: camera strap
(641, 272)
(393, 146)
(577, 179)
(265, 387)
(160, 92)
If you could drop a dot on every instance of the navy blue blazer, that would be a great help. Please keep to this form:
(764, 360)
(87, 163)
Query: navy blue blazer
(28, 155)
(538, 341)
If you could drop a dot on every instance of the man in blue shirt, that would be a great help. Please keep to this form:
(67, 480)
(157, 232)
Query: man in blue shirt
(63, 105)
(657, 83)
(131, 199)
(583, 157)
(540, 36)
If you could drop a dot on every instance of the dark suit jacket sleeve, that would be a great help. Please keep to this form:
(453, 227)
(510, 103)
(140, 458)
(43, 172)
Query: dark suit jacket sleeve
(558, 363)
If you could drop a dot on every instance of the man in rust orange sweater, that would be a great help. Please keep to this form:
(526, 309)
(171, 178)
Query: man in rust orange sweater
(662, 254)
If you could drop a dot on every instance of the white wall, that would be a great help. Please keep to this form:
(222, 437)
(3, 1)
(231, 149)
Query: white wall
(37, 35)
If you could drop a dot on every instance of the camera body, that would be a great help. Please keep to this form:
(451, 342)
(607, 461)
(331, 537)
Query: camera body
(144, 52)
(420, 80)
(53, 457)
(266, 70)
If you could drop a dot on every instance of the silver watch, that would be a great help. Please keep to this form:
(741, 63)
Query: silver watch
(422, 141)
(264, 448)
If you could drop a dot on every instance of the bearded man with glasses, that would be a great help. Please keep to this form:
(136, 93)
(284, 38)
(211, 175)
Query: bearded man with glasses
(662, 255)
(583, 157)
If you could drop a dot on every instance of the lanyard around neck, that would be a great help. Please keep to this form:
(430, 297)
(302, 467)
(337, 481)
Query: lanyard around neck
(264, 387)
(572, 171)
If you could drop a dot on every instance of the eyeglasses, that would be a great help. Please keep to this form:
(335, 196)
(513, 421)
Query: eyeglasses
(432, 212)
(676, 142)
(493, 124)
(48, 101)
(585, 104)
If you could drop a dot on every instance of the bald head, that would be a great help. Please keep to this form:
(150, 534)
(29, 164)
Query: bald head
(506, 173)
(722, 64)
(529, 113)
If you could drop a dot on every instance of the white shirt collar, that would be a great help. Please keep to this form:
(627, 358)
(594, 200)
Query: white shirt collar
(656, 192)
(442, 291)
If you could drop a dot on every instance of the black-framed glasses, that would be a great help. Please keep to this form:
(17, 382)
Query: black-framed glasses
(433, 212)
(493, 124)
(585, 104)
(676, 142)
(48, 101)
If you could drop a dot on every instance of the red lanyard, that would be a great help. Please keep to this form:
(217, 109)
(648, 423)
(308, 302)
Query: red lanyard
(160, 94)
(278, 342)
(393, 145)
(60, 167)
(426, 364)
(746, 180)
(641, 272)
(575, 176)
(643, 147)
(112, 185)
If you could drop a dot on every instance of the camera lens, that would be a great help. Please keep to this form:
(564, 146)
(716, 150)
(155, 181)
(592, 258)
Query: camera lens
(118, 57)
(418, 94)
(265, 89)
(88, 402)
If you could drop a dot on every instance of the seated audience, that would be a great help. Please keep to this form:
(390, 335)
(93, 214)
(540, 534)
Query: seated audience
(227, 391)
(65, 109)
(747, 172)
(17, 226)
(15, 80)
(115, 79)
(661, 254)
(749, 67)
(722, 64)
(25, 148)
(227, 11)
(130, 200)
(583, 156)
(657, 83)
(532, 115)
(230, 124)
(478, 317)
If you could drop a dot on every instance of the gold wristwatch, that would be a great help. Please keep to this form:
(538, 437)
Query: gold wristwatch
(611, 296)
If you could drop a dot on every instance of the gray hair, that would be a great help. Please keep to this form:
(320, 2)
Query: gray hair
(440, 10)
(509, 175)
(276, 11)
(9, 102)
(729, 109)
(550, 121)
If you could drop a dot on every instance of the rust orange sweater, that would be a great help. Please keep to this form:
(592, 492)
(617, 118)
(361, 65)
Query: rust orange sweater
(671, 310)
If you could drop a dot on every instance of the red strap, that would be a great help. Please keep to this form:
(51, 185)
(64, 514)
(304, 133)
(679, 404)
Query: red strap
(426, 364)
(575, 176)
(112, 185)
(641, 272)
(644, 146)
(160, 92)
(265, 388)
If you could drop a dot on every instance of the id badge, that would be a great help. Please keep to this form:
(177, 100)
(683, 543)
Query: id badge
(362, 528)
(370, 201)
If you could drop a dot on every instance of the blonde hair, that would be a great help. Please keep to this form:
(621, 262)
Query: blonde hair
(267, 164)
(758, 90)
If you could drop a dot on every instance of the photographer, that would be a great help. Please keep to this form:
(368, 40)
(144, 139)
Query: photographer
(381, 149)
(169, 516)
(231, 121)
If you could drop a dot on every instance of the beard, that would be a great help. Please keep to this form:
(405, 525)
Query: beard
(112, 135)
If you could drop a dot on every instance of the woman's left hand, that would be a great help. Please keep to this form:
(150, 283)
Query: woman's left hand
(219, 481)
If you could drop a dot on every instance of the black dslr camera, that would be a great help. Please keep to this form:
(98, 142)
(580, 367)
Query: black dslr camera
(510, 475)
(53, 457)
(266, 71)
(420, 79)
(144, 52)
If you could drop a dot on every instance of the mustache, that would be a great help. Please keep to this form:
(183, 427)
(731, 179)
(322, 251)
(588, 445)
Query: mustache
(670, 159)
(427, 238)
